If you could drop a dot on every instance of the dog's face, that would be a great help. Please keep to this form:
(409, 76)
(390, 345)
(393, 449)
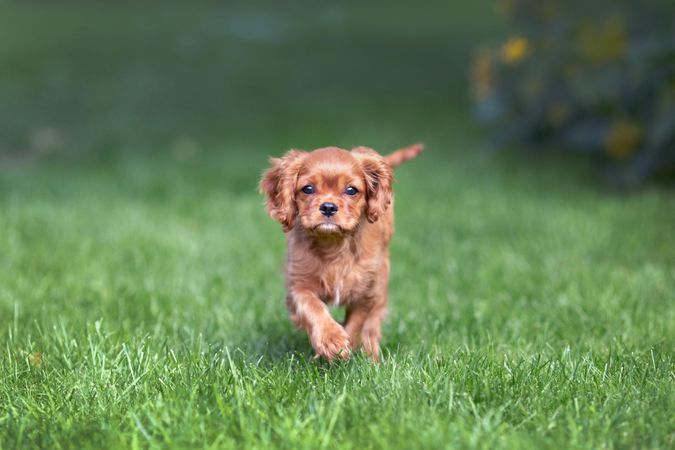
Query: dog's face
(328, 191)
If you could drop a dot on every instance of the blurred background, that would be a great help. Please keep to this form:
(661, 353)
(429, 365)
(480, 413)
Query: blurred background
(88, 82)
(533, 263)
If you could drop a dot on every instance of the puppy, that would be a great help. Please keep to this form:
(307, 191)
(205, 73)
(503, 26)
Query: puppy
(336, 210)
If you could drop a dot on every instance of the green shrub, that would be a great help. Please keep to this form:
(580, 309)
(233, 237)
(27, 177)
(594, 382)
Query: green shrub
(592, 76)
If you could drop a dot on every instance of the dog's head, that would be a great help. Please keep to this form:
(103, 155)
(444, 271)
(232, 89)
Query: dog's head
(328, 191)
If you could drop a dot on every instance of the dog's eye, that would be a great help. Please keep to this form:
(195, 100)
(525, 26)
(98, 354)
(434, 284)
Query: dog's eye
(309, 189)
(351, 190)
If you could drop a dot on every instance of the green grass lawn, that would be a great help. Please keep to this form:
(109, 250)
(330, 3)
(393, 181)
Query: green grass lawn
(141, 291)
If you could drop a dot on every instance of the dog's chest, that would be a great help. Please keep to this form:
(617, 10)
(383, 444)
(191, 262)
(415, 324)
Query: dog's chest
(343, 283)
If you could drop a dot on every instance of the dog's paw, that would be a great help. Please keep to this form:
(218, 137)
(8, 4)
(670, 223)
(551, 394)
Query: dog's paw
(332, 343)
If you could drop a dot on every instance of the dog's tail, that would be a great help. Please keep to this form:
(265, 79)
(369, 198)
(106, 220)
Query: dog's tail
(402, 155)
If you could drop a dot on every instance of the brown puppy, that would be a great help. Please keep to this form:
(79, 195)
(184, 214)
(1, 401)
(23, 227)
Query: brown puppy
(335, 207)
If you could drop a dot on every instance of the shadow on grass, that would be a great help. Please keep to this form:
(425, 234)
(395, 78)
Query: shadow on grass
(275, 341)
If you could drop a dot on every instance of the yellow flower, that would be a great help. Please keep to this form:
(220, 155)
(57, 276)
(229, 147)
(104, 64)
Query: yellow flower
(623, 138)
(603, 42)
(515, 50)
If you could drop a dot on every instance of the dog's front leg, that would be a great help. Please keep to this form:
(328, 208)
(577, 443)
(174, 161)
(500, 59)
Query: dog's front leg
(328, 338)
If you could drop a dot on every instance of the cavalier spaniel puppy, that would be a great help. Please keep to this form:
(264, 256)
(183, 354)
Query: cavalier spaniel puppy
(336, 210)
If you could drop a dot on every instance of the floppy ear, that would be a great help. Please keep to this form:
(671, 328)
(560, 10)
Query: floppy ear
(379, 177)
(278, 186)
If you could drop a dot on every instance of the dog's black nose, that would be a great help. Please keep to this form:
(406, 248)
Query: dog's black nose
(328, 209)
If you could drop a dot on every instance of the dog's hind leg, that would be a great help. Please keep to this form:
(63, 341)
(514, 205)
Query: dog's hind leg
(356, 317)
(372, 331)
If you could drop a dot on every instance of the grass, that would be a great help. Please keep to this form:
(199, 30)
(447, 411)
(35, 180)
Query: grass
(141, 292)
